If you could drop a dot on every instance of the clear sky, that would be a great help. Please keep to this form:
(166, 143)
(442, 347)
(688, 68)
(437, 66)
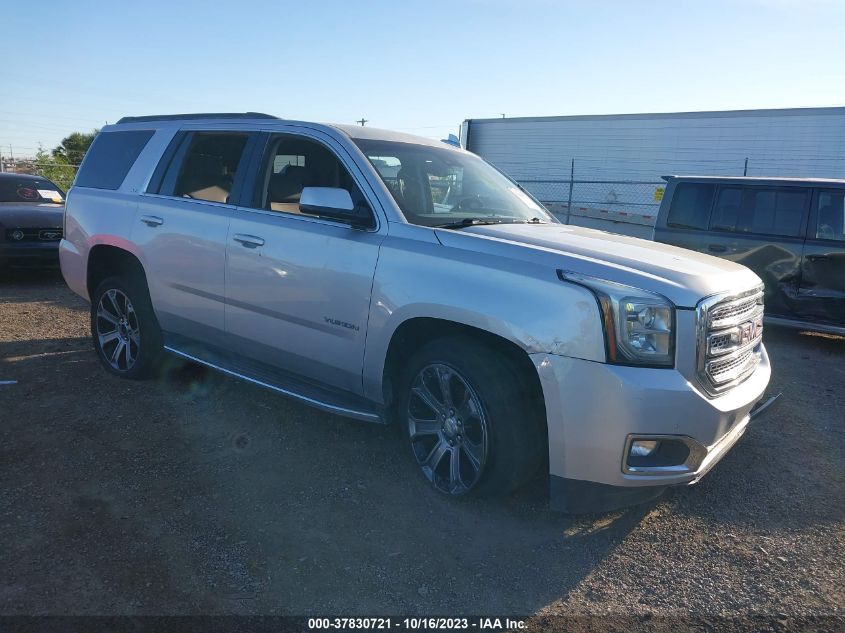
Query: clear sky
(421, 66)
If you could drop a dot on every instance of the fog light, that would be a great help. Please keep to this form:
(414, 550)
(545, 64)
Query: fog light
(643, 448)
(662, 454)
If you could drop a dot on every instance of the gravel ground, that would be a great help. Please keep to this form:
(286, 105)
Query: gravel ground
(201, 494)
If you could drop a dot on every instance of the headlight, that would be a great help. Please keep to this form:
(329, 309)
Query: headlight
(639, 326)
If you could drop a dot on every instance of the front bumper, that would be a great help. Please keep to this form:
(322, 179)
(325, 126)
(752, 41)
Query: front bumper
(593, 409)
(30, 254)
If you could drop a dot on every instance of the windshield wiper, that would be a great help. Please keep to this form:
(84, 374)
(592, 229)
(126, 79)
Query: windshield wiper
(475, 222)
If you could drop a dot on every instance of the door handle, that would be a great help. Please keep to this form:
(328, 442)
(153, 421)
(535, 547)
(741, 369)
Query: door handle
(152, 220)
(717, 248)
(250, 241)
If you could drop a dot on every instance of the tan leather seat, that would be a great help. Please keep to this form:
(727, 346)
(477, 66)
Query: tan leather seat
(204, 178)
(285, 188)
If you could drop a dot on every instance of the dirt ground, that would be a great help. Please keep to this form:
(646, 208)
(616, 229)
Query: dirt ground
(202, 494)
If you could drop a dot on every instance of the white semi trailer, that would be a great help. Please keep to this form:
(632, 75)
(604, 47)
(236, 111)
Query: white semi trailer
(543, 152)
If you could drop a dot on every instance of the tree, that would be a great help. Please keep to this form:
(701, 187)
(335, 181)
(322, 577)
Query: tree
(73, 147)
(60, 164)
(54, 168)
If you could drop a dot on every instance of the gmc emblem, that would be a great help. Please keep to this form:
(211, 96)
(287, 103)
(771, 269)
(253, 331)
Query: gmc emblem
(751, 330)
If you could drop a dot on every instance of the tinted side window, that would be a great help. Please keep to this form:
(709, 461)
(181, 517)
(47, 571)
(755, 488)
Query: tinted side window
(830, 216)
(775, 211)
(726, 211)
(296, 163)
(110, 158)
(210, 165)
(691, 205)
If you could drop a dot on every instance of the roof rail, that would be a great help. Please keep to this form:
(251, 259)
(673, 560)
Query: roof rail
(190, 117)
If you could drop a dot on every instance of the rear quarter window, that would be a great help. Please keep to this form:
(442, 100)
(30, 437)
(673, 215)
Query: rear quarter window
(690, 207)
(110, 158)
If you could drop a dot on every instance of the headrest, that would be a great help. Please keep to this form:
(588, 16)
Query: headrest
(287, 184)
(206, 164)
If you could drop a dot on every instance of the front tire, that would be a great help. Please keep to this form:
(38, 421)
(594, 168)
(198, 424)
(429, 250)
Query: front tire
(124, 329)
(472, 418)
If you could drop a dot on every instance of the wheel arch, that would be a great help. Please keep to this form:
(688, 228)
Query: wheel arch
(416, 331)
(105, 260)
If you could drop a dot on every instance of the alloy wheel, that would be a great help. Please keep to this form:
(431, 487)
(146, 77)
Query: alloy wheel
(118, 332)
(448, 428)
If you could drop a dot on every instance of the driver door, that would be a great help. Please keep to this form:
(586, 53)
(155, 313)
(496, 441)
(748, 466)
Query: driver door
(821, 295)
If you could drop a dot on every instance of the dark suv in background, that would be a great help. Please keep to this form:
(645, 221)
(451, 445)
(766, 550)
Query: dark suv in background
(790, 231)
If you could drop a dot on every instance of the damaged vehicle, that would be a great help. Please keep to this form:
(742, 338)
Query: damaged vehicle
(395, 279)
(790, 231)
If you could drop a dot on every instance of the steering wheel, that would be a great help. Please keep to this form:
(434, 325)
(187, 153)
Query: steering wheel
(825, 232)
(470, 203)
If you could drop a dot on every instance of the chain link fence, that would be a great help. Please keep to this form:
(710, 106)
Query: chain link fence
(624, 198)
(62, 175)
(58, 173)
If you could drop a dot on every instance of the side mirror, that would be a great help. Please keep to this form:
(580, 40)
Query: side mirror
(334, 203)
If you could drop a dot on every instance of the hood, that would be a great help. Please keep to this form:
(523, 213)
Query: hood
(30, 215)
(681, 275)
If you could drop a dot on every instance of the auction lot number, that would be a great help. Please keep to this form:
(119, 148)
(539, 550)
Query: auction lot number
(415, 623)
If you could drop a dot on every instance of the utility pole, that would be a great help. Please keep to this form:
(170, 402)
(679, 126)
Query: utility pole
(745, 170)
(571, 184)
(362, 120)
(503, 115)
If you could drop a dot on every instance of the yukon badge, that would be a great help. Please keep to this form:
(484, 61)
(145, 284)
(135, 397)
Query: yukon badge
(339, 323)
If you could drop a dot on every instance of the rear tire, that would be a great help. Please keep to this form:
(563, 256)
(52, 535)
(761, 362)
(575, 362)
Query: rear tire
(472, 418)
(124, 328)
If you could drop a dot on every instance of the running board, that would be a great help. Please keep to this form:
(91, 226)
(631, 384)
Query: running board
(825, 328)
(339, 403)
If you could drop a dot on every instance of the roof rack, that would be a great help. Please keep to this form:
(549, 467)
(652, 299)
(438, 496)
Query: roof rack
(190, 117)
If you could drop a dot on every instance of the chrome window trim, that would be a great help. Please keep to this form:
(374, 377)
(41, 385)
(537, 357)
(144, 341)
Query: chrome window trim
(307, 218)
(200, 201)
(703, 334)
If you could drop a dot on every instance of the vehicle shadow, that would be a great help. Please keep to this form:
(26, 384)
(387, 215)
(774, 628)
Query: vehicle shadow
(27, 285)
(196, 493)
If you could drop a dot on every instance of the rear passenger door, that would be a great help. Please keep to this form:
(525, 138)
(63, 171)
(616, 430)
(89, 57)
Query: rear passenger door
(182, 228)
(822, 291)
(762, 227)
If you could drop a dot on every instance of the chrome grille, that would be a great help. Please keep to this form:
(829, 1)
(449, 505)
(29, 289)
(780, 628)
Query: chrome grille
(33, 235)
(726, 369)
(730, 330)
(733, 311)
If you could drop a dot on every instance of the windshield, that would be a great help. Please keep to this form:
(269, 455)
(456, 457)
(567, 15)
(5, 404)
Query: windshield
(440, 187)
(28, 189)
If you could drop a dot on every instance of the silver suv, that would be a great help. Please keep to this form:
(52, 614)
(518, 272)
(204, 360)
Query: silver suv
(392, 278)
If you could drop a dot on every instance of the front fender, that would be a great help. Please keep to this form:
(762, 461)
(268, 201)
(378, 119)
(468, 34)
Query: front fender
(520, 301)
